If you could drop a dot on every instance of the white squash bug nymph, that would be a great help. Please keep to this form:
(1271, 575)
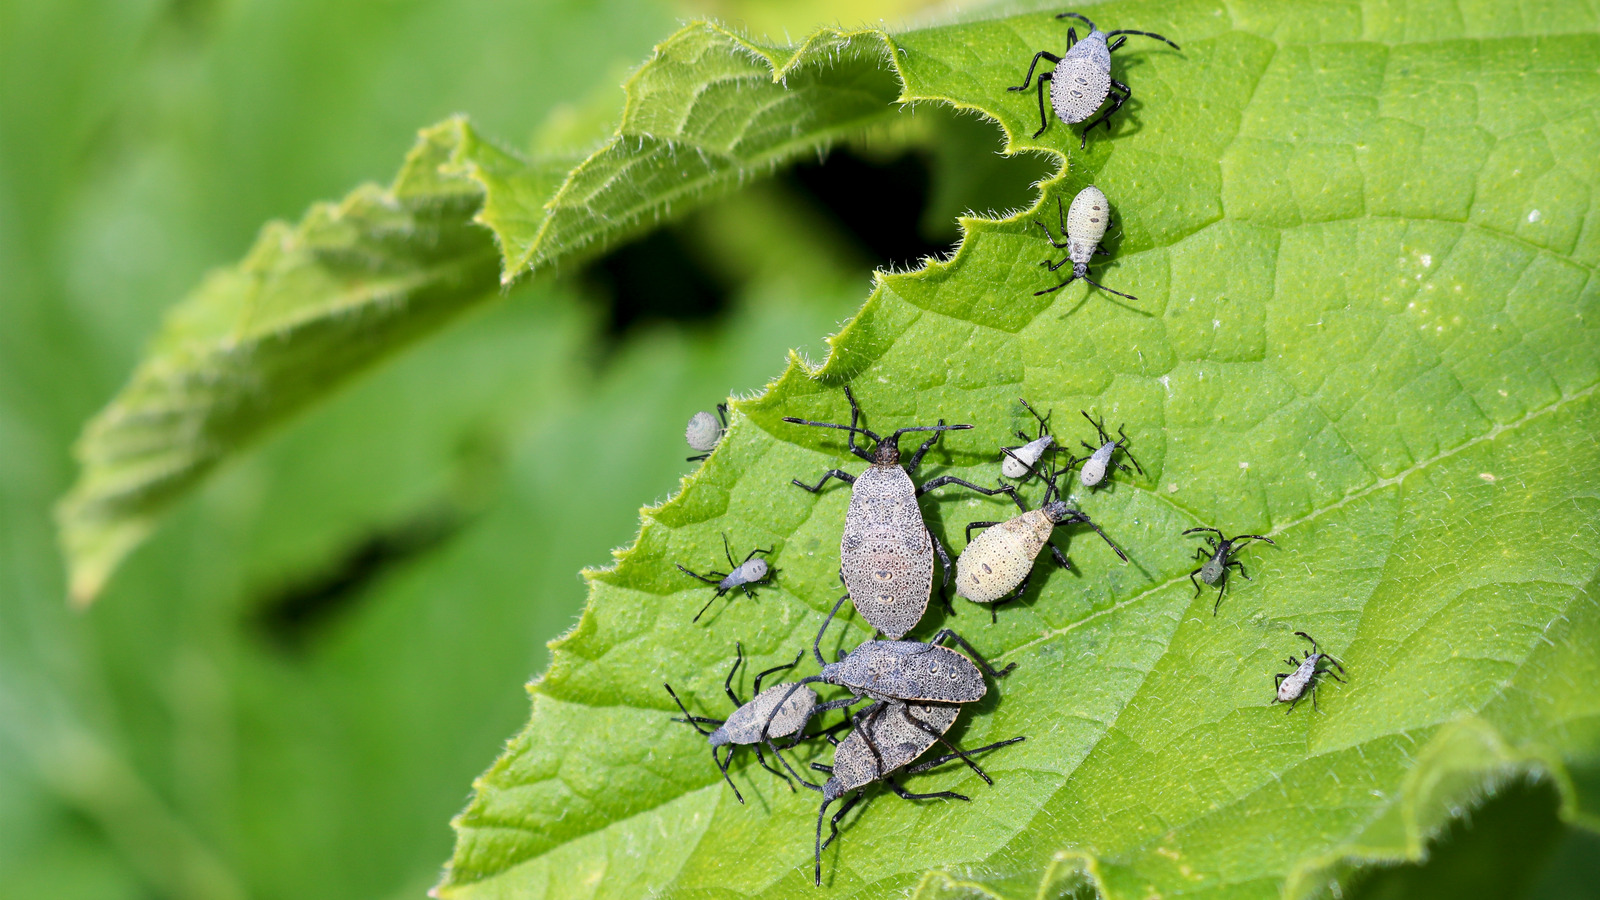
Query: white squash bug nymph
(1082, 228)
(1020, 462)
(1082, 79)
(704, 431)
(1101, 458)
(1292, 686)
(741, 575)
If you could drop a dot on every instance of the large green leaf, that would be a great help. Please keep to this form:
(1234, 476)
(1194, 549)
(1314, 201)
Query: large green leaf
(313, 304)
(1363, 242)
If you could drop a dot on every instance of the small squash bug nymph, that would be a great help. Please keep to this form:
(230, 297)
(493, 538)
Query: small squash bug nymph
(704, 431)
(1021, 461)
(1292, 686)
(1082, 227)
(1103, 457)
(1218, 560)
(1082, 79)
(741, 576)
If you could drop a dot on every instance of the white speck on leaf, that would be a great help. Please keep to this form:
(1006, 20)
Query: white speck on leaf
(1535, 216)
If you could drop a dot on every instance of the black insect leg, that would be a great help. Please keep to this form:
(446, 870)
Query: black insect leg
(727, 683)
(1052, 266)
(1105, 118)
(904, 794)
(905, 713)
(816, 646)
(1195, 583)
(1042, 54)
(845, 477)
(1015, 595)
(950, 757)
(689, 719)
(1062, 218)
(916, 458)
(978, 657)
(1128, 453)
(833, 825)
(1044, 120)
(765, 673)
(944, 568)
(1222, 588)
(972, 525)
(723, 765)
(1052, 290)
(768, 766)
(943, 480)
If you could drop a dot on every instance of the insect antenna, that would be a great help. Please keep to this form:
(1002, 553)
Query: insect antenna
(1108, 290)
(1112, 34)
(1082, 18)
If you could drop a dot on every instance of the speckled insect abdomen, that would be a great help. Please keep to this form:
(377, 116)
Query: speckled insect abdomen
(885, 554)
(997, 560)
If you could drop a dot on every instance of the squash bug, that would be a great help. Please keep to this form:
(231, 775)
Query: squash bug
(1082, 227)
(886, 551)
(1104, 456)
(1002, 557)
(743, 574)
(705, 431)
(1292, 686)
(744, 726)
(1021, 461)
(1082, 79)
(1218, 554)
(887, 737)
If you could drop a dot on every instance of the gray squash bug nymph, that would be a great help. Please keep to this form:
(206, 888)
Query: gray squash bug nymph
(1102, 457)
(704, 431)
(784, 713)
(886, 738)
(1001, 559)
(1218, 556)
(742, 575)
(1021, 461)
(1082, 228)
(1082, 79)
(1292, 686)
(886, 551)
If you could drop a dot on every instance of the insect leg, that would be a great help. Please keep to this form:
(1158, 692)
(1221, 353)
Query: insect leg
(972, 525)
(904, 794)
(916, 458)
(692, 719)
(1044, 121)
(1042, 54)
(1052, 238)
(1015, 595)
(816, 646)
(978, 657)
(845, 477)
(1058, 556)
(943, 480)
(1235, 564)
(765, 673)
(949, 757)
(944, 568)
(723, 765)
(1052, 266)
(1070, 279)
(1105, 118)
(1195, 583)
(761, 758)
(1222, 588)
(727, 683)
(837, 817)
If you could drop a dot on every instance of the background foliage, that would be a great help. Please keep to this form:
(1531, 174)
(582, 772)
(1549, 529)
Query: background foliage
(285, 692)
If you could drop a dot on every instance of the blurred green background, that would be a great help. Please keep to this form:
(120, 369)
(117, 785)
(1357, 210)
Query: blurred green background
(288, 692)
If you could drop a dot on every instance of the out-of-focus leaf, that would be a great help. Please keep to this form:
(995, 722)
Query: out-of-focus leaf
(315, 303)
(1363, 245)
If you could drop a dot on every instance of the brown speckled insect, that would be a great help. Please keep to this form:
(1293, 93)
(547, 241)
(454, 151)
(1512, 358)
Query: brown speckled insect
(886, 551)
(1001, 559)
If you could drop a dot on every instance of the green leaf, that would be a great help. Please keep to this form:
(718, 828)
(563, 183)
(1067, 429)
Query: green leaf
(1363, 242)
(316, 303)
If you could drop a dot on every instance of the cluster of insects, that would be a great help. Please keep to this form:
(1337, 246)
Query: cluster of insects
(902, 696)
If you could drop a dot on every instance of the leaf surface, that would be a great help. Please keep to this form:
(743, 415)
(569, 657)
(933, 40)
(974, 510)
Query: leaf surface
(315, 303)
(1363, 241)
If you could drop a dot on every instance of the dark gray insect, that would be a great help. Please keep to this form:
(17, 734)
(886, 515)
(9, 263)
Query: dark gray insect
(1002, 557)
(704, 431)
(1292, 686)
(778, 711)
(1021, 461)
(1081, 230)
(1218, 554)
(904, 671)
(886, 551)
(1104, 456)
(1082, 79)
(886, 738)
(743, 574)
